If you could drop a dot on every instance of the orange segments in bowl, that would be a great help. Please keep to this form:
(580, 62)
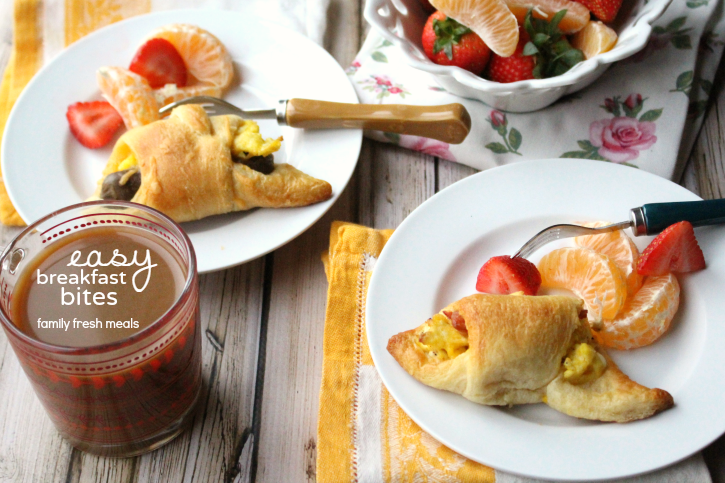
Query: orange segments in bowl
(576, 18)
(490, 19)
(130, 94)
(619, 248)
(645, 317)
(206, 58)
(594, 39)
(591, 276)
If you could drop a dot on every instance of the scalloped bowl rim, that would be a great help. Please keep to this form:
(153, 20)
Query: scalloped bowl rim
(642, 27)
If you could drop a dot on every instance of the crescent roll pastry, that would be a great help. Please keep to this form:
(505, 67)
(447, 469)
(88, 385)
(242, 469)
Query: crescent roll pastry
(517, 349)
(190, 166)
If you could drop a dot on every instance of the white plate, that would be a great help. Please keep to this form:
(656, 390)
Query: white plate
(433, 258)
(45, 168)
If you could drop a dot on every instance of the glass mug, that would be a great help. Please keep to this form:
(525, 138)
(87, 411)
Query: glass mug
(126, 397)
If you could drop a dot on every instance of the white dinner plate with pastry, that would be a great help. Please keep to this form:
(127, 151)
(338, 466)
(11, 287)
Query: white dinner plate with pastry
(505, 355)
(45, 168)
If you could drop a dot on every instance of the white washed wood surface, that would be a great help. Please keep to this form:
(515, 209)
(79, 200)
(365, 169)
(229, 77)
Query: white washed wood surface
(263, 324)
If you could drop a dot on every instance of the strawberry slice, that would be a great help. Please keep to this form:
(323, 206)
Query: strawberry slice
(673, 250)
(505, 275)
(604, 10)
(160, 63)
(93, 123)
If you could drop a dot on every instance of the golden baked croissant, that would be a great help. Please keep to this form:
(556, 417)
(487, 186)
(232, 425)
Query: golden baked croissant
(190, 166)
(517, 349)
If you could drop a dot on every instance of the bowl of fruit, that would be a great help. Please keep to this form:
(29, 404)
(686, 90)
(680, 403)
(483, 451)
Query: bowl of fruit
(515, 55)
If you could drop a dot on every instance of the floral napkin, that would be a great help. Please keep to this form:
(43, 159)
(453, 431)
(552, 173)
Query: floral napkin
(644, 111)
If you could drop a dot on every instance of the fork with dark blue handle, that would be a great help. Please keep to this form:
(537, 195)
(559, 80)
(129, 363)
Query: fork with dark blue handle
(648, 219)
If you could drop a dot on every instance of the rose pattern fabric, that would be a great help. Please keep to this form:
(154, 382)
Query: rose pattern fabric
(383, 86)
(673, 73)
(427, 146)
(622, 138)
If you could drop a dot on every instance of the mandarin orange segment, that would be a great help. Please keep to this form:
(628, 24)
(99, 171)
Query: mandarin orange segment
(206, 58)
(490, 19)
(130, 94)
(594, 39)
(619, 248)
(644, 317)
(170, 93)
(593, 277)
(576, 18)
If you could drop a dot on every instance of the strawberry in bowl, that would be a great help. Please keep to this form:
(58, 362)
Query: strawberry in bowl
(585, 25)
(447, 42)
(542, 50)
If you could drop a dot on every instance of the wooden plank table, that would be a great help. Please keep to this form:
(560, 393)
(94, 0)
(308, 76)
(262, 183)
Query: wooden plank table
(263, 324)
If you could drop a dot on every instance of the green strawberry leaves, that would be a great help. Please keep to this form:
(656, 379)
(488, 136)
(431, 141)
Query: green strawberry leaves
(553, 52)
(448, 32)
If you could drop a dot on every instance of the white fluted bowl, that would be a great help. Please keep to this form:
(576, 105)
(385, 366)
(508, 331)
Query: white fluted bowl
(401, 22)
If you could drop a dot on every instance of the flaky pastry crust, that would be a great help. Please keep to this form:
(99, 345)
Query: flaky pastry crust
(187, 170)
(517, 345)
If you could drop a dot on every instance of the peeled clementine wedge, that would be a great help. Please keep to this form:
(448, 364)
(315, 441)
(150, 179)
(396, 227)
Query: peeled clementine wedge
(130, 94)
(594, 39)
(619, 248)
(170, 93)
(593, 277)
(205, 56)
(644, 317)
(490, 19)
(576, 18)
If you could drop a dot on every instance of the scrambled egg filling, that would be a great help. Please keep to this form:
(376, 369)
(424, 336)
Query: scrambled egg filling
(583, 364)
(127, 163)
(439, 339)
(249, 143)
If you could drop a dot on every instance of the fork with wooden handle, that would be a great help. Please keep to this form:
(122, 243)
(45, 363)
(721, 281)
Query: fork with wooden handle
(449, 123)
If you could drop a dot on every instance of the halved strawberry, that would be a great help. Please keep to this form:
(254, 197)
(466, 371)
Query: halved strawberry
(505, 275)
(93, 123)
(160, 63)
(673, 250)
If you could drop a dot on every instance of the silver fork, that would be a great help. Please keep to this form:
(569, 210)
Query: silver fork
(449, 123)
(647, 219)
(556, 232)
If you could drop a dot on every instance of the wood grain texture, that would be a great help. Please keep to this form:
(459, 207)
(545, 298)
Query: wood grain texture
(705, 175)
(293, 362)
(293, 347)
(231, 308)
(393, 182)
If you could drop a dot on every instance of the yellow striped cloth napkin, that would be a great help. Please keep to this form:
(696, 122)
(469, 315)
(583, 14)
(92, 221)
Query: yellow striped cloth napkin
(362, 434)
(39, 35)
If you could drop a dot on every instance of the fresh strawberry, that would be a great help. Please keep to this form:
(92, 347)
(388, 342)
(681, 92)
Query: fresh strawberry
(447, 42)
(673, 250)
(505, 275)
(543, 51)
(93, 123)
(515, 68)
(160, 63)
(604, 10)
